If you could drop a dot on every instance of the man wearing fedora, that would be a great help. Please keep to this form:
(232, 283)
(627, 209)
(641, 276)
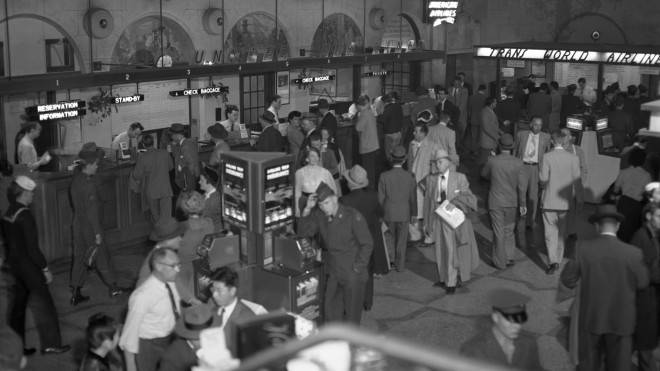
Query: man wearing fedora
(609, 273)
(504, 344)
(346, 236)
(397, 194)
(181, 354)
(218, 135)
(89, 248)
(270, 139)
(152, 172)
(29, 270)
(186, 158)
(328, 120)
(506, 197)
(365, 201)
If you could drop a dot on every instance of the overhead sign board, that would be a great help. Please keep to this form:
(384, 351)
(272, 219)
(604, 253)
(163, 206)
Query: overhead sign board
(441, 12)
(573, 56)
(313, 79)
(128, 99)
(201, 91)
(56, 111)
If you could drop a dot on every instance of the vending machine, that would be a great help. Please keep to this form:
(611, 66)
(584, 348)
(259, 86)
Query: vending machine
(576, 125)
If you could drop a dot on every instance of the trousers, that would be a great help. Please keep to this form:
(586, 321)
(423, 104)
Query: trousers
(160, 208)
(344, 298)
(503, 221)
(102, 261)
(397, 246)
(554, 223)
(150, 353)
(370, 164)
(616, 351)
(532, 176)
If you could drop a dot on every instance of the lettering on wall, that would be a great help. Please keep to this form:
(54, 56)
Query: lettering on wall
(56, 111)
(216, 57)
(128, 99)
(441, 12)
(201, 91)
(573, 56)
(313, 79)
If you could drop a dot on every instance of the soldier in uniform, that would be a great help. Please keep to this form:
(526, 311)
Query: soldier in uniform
(89, 249)
(504, 344)
(346, 237)
(30, 270)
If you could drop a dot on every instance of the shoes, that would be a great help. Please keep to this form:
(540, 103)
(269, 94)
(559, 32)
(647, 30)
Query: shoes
(56, 350)
(29, 351)
(552, 268)
(450, 290)
(459, 282)
(510, 263)
(439, 284)
(77, 297)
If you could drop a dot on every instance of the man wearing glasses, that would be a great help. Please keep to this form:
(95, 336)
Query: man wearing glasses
(504, 344)
(153, 310)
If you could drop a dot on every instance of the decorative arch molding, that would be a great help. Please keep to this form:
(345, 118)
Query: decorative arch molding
(139, 43)
(336, 33)
(255, 32)
(400, 28)
(62, 30)
(561, 35)
(413, 23)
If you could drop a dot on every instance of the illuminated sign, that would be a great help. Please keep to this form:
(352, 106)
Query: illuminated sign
(601, 124)
(576, 56)
(201, 91)
(375, 74)
(312, 79)
(234, 170)
(128, 99)
(574, 123)
(277, 172)
(442, 12)
(57, 111)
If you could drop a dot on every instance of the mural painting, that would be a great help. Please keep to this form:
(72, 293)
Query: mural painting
(337, 35)
(256, 34)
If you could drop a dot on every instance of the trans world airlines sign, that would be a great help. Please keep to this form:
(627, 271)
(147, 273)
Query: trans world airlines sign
(576, 56)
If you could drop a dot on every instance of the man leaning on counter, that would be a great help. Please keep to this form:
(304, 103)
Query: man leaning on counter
(129, 136)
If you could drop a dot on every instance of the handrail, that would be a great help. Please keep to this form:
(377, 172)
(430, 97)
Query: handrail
(433, 358)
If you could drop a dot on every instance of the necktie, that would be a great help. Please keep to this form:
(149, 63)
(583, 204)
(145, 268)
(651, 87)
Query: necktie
(532, 148)
(443, 189)
(172, 301)
(222, 316)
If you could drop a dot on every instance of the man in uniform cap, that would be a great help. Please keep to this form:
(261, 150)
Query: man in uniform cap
(328, 120)
(186, 158)
(609, 272)
(504, 344)
(349, 245)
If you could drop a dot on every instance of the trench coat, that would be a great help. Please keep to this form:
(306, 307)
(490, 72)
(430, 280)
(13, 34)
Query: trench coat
(646, 327)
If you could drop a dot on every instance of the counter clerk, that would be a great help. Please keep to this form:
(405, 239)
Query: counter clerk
(26, 153)
(129, 136)
(349, 245)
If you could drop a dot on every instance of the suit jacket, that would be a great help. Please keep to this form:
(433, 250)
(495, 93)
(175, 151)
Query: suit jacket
(610, 272)
(508, 109)
(329, 122)
(570, 105)
(459, 96)
(397, 194)
(451, 109)
(508, 183)
(539, 104)
(391, 119)
(186, 164)
(646, 327)
(270, 140)
(21, 241)
(366, 203)
(444, 138)
(620, 122)
(213, 209)
(419, 159)
(520, 144)
(178, 356)
(560, 178)
(476, 104)
(152, 170)
(485, 347)
(490, 129)
(241, 312)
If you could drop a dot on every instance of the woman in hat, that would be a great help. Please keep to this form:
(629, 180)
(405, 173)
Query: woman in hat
(208, 180)
(89, 248)
(218, 135)
(308, 178)
(366, 202)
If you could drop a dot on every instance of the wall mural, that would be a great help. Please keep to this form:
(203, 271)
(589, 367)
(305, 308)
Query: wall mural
(337, 35)
(255, 33)
(140, 44)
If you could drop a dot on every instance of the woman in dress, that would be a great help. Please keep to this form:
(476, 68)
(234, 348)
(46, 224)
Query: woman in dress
(309, 177)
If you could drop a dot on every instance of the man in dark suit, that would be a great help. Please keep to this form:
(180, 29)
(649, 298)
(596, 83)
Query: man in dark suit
(490, 131)
(540, 104)
(446, 106)
(270, 139)
(504, 344)
(621, 124)
(28, 266)
(181, 354)
(397, 194)
(328, 120)
(228, 309)
(505, 198)
(186, 158)
(391, 121)
(609, 272)
(530, 146)
(476, 104)
(509, 112)
(570, 104)
(152, 173)
(308, 126)
(346, 236)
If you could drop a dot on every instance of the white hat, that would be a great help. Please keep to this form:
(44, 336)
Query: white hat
(26, 183)
(651, 187)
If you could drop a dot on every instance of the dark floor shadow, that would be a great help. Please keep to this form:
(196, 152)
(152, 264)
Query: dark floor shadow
(417, 263)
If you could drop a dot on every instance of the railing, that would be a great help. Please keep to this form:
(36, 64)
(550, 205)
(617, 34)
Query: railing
(395, 353)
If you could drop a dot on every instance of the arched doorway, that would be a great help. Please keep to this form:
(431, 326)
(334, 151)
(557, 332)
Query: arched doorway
(336, 35)
(140, 43)
(256, 33)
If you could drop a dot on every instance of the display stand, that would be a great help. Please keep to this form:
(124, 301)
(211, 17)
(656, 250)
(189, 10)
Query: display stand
(602, 170)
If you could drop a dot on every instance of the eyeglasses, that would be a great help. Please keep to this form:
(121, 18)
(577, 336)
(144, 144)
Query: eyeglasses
(173, 266)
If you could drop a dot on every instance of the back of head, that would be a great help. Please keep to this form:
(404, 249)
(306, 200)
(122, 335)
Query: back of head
(294, 114)
(571, 88)
(147, 141)
(559, 138)
(100, 327)
(489, 101)
(363, 100)
(637, 157)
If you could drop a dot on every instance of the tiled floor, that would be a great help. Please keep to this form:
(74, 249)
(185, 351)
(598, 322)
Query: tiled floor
(406, 304)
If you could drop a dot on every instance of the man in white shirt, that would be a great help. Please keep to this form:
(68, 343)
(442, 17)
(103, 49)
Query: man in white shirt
(274, 105)
(129, 136)
(26, 153)
(229, 309)
(153, 310)
(586, 92)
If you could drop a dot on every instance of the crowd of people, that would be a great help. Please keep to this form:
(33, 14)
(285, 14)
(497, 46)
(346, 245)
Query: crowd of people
(403, 186)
